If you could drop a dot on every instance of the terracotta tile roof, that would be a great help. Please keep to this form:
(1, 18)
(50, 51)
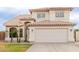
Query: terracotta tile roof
(25, 18)
(14, 23)
(40, 10)
(52, 23)
(52, 8)
(13, 26)
(18, 20)
(62, 8)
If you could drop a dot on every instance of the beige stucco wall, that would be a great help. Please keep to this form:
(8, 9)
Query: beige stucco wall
(66, 15)
(34, 15)
(51, 16)
(70, 33)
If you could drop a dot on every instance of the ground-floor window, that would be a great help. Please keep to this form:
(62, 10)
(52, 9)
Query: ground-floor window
(13, 32)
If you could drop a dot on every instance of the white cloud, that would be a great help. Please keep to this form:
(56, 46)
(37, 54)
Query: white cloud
(74, 16)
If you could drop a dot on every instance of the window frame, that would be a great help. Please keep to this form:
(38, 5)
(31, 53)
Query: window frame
(59, 14)
(40, 15)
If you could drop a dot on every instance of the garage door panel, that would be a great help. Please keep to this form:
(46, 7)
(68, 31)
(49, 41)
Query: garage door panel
(51, 35)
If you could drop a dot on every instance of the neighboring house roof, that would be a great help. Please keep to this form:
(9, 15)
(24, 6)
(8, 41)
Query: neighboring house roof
(52, 23)
(52, 8)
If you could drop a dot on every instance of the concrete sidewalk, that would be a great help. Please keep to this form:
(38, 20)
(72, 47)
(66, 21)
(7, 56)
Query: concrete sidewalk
(54, 47)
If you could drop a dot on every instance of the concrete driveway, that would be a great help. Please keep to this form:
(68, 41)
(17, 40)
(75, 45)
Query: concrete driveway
(54, 47)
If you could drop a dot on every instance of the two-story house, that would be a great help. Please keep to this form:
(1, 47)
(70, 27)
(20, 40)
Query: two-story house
(42, 25)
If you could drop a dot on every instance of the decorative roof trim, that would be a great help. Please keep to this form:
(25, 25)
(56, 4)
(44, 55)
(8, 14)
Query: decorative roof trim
(52, 8)
(13, 26)
(30, 19)
(52, 25)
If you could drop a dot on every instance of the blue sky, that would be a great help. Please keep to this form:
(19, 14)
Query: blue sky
(74, 16)
(7, 13)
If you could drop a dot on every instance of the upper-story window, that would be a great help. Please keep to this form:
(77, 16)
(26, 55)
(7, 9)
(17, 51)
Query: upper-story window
(41, 15)
(59, 14)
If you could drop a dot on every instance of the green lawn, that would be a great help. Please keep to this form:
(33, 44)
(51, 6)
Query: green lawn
(14, 47)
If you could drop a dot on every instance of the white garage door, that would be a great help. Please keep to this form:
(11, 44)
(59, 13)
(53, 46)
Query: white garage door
(51, 35)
